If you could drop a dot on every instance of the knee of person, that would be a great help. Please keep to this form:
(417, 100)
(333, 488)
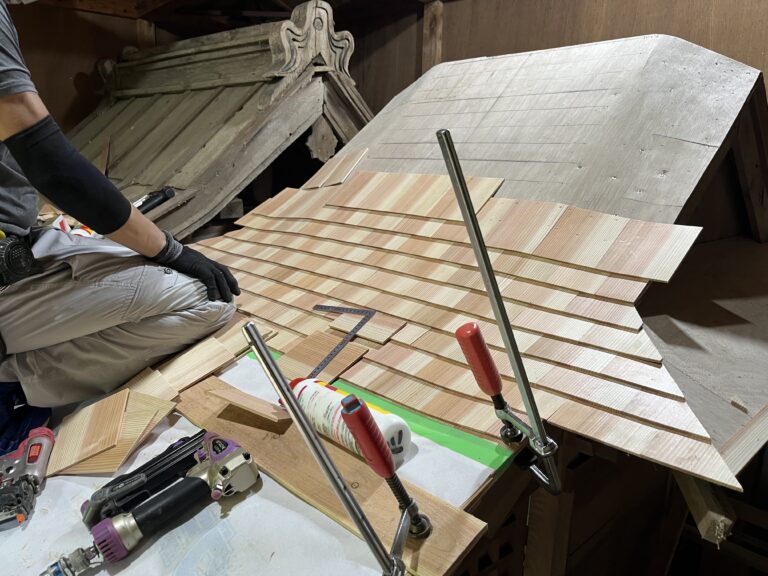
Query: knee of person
(218, 313)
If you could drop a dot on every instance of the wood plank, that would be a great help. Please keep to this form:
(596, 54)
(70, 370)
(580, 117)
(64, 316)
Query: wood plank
(300, 360)
(425, 195)
(271, 412)
(319, 254)
(286, 459)
(379, 232)
(650, 409)
(152, 383)
(195, 135)
(432, 35)
(686, 455)
(713, 515)
(87, 432)
(632, 345)
(587, 239)
(142, 414)
(161, 134)
(198, 362)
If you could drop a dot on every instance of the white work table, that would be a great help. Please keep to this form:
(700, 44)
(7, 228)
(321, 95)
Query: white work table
(267, 531)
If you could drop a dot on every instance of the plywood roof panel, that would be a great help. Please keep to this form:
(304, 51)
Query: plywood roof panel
(625, 127)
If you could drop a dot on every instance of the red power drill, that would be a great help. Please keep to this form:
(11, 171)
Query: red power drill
(22, 474)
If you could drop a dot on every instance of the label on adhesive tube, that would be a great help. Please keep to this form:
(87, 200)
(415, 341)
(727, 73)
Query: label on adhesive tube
(322, 405)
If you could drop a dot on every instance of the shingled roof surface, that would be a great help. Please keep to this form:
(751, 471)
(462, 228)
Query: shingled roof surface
(206, 115)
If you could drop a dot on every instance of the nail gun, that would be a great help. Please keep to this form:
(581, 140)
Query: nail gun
(143, 502)
(22, 474)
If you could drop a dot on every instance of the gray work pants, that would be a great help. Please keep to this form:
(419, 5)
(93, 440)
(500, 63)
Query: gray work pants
(95, 317)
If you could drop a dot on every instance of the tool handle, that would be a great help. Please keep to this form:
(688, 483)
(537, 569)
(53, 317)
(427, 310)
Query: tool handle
(358, 418)
(479, 358)
(166, 507)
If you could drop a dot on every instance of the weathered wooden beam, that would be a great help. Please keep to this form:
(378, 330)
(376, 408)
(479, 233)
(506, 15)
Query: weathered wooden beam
(124, 8)
(432, 37)
(713, 515)
(145, 34)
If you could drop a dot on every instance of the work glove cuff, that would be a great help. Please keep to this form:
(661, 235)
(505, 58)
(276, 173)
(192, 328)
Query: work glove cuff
(170, 252)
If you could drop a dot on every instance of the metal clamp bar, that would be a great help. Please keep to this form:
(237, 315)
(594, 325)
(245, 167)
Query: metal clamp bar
(388, 566)
(539, 439)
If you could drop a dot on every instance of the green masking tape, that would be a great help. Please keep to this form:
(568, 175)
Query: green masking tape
(486, 452)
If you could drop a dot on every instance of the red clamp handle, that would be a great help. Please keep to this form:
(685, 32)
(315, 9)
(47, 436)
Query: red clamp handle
(479, 358)
(358, 418)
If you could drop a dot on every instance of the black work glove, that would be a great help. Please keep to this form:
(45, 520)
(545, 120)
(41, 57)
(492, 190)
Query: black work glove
(217, 278)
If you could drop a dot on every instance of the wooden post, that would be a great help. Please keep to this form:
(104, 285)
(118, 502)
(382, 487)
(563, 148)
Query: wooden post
(145, 34)
(714, 517)
(432, 38)
(549, 526)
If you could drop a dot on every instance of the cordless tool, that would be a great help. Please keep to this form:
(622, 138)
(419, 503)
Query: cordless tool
(22, 475)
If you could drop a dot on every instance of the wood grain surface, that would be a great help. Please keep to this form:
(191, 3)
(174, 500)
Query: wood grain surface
(287, 460)
(89, 431)
(302, 358)
(569, 278)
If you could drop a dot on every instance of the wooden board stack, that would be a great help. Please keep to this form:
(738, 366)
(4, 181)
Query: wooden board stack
(395, 243)
(100, 437)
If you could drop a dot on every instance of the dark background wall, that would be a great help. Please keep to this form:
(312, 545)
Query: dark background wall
(61, 46)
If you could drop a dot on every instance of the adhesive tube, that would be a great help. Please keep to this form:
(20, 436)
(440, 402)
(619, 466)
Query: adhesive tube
(322, 404)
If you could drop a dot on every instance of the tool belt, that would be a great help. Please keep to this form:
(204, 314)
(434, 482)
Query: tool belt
(16, 259)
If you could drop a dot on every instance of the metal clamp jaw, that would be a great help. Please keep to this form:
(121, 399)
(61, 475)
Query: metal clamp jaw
(534, 453)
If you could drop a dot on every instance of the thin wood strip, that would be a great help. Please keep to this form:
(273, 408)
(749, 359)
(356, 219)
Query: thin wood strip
(600, 365)
(425, 195)
(474, 416)
(374, 232)
(593, 362)
(87, 432)
(271, 412)
(319, 255)
(645, 407)
(135, 422)
(198, 362)
(585, 238)
(336, 170)
(634, 345)
(686, 455)
(152, 383)
(301, 359)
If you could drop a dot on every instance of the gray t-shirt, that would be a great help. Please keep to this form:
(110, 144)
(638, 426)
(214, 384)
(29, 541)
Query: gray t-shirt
(18, 199)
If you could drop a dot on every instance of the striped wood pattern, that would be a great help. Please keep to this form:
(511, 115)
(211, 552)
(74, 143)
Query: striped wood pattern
(142, 413)
(578, 332)
(425, 195)
(300, 360)
(87, 432)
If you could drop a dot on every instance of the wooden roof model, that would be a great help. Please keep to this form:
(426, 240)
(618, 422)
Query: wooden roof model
(207, 115)
(580, 160)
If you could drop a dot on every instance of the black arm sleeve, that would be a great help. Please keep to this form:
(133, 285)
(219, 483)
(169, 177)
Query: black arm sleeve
(53, 166)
